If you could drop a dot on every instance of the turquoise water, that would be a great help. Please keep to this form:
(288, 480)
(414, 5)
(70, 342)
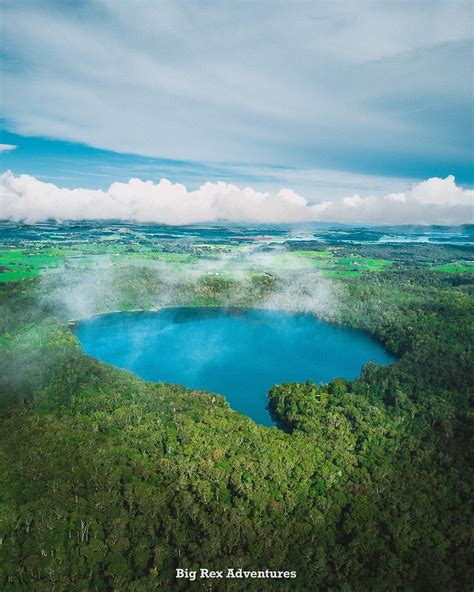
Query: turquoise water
(239, 353)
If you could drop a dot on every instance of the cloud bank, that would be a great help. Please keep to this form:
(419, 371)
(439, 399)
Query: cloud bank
(24, 198)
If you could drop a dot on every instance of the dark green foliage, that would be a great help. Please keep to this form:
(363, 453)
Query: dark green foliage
(110, 483)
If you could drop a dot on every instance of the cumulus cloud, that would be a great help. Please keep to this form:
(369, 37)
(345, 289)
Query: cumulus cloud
(25, 198)
(7, 147)
(434, 201)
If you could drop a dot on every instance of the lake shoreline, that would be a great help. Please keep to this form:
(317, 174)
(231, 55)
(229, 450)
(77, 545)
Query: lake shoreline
(239, 352)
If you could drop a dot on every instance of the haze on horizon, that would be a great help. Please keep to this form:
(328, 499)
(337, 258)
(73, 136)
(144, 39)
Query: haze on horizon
(278, 111)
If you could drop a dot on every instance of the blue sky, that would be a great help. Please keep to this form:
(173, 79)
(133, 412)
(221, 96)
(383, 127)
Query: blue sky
(327, 98)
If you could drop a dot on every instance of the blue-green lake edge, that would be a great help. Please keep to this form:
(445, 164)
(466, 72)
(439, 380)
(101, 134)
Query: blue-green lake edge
(239, 353)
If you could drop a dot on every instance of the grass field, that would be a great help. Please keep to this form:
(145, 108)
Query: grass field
(333, 262)
(456, 267)
(20, 264)
(335, 266)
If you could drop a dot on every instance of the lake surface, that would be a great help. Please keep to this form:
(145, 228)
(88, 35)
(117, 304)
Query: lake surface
(239, 353)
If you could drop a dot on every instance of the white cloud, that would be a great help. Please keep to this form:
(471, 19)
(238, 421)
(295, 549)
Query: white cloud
(25, 198)
(435, 201)
(7, 147)
(28, 199)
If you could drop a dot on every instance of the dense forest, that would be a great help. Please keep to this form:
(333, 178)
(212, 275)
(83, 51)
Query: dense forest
(111, 483)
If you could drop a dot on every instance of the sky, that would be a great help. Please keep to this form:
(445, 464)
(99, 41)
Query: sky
(340, 103)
